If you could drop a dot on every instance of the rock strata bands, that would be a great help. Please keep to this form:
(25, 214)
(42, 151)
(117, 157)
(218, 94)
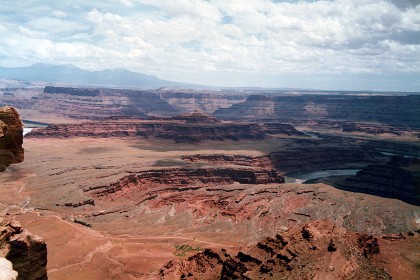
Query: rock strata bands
(177, 131)
(190, 178)
(192, 128)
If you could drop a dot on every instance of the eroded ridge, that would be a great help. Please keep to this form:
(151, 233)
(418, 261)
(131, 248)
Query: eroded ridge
(178, 177)
(316, 250)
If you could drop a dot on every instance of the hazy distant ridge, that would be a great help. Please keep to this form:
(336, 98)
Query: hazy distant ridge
(72, 75)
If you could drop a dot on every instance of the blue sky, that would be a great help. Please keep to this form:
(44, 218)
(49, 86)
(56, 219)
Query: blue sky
(342, 44)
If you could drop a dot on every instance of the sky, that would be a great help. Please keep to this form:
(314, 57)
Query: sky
(336, 44)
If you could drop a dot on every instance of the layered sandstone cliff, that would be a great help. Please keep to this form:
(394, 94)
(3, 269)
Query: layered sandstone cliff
(27, 252)
(187, 178)
(173, 130)
(11, 137)
(193, 127)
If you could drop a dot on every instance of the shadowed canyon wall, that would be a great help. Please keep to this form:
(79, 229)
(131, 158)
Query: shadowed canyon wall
(395, 110)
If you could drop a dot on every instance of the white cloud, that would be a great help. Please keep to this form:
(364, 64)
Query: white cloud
(195, 8)
(194, 40)
(59, 14)
(53, 26)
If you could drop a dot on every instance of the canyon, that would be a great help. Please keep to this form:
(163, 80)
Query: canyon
(183, 184)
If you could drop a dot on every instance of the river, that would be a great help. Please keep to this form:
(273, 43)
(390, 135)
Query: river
(394, 154)
(26, 130)
(303, 177)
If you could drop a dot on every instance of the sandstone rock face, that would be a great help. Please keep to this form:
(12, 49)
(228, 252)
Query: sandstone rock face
(27, 252)
(398, 179)
(318, 250)
(11, 137)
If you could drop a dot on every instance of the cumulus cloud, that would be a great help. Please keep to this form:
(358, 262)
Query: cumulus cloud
(221, 42)
(59, 14)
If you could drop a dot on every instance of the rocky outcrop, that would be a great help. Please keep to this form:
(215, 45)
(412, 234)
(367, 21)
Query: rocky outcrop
(188, 178)
(317, 250)
(398, 179)
(27, 252)
(391, 110)
(11, 137)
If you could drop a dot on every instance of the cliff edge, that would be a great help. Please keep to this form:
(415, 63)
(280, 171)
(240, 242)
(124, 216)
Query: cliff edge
(11, 137)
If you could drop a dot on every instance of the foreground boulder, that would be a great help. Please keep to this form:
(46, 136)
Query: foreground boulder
(27, 252)
(11, 137)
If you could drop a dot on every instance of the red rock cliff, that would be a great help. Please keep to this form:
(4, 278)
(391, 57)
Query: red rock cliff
(11, 137)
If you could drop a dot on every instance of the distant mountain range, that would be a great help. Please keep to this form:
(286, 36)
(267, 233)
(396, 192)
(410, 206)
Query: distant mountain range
(72, 75)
